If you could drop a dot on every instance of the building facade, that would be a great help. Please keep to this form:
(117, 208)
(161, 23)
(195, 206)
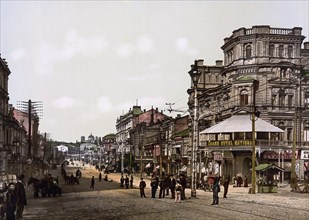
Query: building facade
(265, 71)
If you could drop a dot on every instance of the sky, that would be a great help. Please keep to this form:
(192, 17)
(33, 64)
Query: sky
(89, 62)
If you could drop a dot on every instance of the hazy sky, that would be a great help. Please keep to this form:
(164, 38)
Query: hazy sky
(89, 61)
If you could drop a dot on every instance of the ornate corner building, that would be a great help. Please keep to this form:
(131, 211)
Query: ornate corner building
(265, 69)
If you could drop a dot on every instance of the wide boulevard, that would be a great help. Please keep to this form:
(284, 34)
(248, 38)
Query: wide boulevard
(109, 201)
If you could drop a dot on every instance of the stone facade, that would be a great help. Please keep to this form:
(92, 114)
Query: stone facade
(263, 67)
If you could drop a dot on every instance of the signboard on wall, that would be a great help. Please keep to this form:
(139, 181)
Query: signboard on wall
(304, 155)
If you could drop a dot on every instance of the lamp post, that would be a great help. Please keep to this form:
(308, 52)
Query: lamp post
(253, 119)
(195, 75)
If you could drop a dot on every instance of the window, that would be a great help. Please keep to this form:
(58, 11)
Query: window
(281, 51)
(306, 132)
(281, 98)
(306, 101)
(248, 52)
(290, 51)
(273, 101)
(271, 50)
(281, 126)
(289, 134)
(243, 97)
(290, 101)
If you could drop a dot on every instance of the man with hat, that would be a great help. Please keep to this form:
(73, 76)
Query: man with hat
(21, 200)
(142, 186)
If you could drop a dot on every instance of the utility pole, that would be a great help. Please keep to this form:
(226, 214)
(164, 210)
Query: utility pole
(254, 88)
(33, 108)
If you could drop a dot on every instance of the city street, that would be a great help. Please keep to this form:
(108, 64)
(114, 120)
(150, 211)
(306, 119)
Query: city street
(109, 201)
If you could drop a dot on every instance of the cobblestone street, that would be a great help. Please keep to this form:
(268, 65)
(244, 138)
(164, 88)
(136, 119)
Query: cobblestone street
(109, 201)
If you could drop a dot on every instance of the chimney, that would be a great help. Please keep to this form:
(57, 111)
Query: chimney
(219, 62)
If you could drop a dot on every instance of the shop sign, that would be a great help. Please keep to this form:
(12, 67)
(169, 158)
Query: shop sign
(304, 155)
(218, 156)
(229, 143)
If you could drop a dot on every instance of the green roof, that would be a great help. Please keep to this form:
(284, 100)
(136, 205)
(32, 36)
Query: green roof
(266, 166)
(182, 133)
(245, 78)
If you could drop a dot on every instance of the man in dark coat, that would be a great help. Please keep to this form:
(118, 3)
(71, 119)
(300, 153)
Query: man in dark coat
(10, 202)
(216, 190)
(154, 186)
(126, 180)
(162, 188)
(173, 187)
(20, 193)
(142, 186)
(226, 186)
(183, 183)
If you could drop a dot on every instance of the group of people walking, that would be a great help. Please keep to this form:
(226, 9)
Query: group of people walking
(126, 181)
(15, 199)
(165, 185)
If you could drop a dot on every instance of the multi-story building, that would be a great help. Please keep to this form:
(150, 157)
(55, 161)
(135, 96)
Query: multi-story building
(12, 133)
(265, 70)
(108, 151)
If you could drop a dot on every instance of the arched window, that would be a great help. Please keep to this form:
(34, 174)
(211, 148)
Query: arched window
(271, 50)
(306, 101)
(243, 97)
(281, 126)
(281, 51)
(290, 51)
(306, 131)
(248, 52)
(281, 98)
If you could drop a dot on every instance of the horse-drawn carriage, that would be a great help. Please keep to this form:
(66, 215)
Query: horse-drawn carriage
(46, 186)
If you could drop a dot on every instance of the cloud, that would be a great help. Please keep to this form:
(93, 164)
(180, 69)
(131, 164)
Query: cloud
(183, 46)
(144, 44)
(104, 104)
(49, 54)
(75, 44)
(17, 54)
(153, 72)
(64, 102)
(125, 50)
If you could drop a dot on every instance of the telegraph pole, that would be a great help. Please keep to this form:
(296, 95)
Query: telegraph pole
(253, 174)
(32, 108)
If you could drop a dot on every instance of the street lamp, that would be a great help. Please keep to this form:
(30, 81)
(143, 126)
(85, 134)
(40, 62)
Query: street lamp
(195, 75)
(254, 113)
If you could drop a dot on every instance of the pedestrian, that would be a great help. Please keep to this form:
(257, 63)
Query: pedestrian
(100, 177)
(127, 182)
(178, 193)
(162, 188)
(92, 183)
(20, 193)
(216, 190)
(10, 202)
(131, 181)
(245, 181)
(142, 186)
(121, 180)
(173, 187)
(106, 178)
(226, 186)
(154, 186)
(167, 184)
(183, 183)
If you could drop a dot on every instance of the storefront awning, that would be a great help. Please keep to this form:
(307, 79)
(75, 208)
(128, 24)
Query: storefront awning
(148, 165)
(241, 123)
(183, 169)
(177, 146)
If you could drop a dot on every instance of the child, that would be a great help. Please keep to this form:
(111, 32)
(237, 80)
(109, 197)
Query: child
(178, 193)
